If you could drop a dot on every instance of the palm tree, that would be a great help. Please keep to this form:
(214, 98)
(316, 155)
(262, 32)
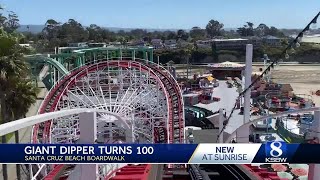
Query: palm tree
(19, 101)
(188, 54)
(12, 66)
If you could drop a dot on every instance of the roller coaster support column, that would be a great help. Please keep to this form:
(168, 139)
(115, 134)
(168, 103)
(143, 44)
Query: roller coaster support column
(243, 132)
(144, 54)
(133, 55)
(94, 56)
(314, 169)
(54, 75)
(146, 57)
(151, 55)
(88, 135)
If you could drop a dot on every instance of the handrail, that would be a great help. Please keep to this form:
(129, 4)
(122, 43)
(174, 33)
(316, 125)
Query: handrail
(32, 120)
(270, 116)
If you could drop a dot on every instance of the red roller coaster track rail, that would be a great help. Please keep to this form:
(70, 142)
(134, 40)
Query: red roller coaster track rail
(41, 132)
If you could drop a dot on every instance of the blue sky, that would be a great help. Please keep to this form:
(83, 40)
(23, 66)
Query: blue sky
(167, 14)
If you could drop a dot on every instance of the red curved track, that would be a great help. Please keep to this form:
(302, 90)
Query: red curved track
(41, 132)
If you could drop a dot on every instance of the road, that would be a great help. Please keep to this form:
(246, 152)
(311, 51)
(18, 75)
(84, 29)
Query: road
(25, 134)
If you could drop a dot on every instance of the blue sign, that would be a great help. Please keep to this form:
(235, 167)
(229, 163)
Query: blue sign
(276, 151)
(271, 152)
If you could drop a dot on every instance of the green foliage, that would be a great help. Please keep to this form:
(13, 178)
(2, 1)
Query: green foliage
(214, 28)
(197, 33)
(24, 95)
(12, 22)
(246, 30)
(11, 63)
(181, 34)
(260, 31)
(300, 54)
(14, 72)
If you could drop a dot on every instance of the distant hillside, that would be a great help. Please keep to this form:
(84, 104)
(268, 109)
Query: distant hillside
(38, 28)
(32, 28)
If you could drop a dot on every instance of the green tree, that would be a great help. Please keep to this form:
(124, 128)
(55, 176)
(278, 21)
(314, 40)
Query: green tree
(264, 30)
(123, 41)
(261, 30)
(273, 31)
(214, 28)
(51, 29)
(187, 55)
(95, 33)
(72, 31)
(12, 22)
(108, 35)
(13, 71)
(23, 95)
(50, 35)
(122, 33)
(172, 35)
(197, 33)
(2, 17)
(12, 66)
(182, 34)
(246, 30)
(138, 33)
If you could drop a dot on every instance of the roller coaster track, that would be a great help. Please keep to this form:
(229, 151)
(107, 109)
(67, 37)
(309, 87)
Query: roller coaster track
(200, 109)
(41, 132)
(44, 59)
(176, 100)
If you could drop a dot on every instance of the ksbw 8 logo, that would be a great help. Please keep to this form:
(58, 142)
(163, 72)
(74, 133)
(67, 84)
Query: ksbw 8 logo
(275, 152)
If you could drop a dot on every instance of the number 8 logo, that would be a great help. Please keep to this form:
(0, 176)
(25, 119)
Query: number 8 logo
(276, 149)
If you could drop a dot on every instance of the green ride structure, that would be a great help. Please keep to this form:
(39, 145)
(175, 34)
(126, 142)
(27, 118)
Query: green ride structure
(70, 58)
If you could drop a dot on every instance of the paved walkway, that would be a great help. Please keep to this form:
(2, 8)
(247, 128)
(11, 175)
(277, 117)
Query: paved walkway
(228, 98)
(25, 134)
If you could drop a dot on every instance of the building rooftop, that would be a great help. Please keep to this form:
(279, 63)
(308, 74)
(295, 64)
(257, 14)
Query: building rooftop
(238, 39)
(156, 40)
(270, 37)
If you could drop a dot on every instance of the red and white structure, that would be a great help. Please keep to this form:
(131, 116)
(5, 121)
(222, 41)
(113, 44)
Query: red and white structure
(140, 100)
